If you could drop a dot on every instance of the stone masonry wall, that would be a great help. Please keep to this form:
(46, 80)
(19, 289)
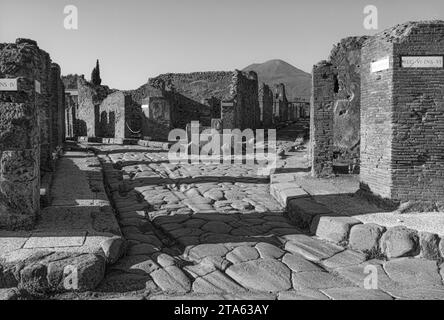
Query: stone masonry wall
(321, 120)
(27, 138)
(244, 94)
(281, 102)
(266, 105)
(89, 99)
(346, 57)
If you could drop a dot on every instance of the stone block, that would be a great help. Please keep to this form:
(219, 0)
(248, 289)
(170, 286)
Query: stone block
(429, 245)
(333, 228)
(302, 211)
(365, 237)
(283, 192)
(399, 241)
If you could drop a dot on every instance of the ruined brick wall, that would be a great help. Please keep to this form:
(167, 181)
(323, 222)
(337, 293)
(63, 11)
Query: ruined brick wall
(266, 105)
(89, 99)
(119, 117)
(321, 119)
(410, 127)
(281, 102)
(157, 121)
(244, 94)
(57, 100)
(376, 124)
(346, 58)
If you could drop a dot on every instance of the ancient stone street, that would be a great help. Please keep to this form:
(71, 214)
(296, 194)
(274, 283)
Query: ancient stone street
(214, 232)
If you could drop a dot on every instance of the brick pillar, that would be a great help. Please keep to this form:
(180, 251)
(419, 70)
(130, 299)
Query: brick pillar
(321, 120)
(402, 127)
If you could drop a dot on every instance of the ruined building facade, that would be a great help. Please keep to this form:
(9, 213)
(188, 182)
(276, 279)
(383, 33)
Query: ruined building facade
(31, 128)
(384, 95)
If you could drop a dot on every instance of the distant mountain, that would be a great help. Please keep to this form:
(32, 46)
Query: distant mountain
(297, 82)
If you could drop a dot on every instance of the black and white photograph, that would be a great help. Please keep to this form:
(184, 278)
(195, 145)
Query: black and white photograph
(217, 157)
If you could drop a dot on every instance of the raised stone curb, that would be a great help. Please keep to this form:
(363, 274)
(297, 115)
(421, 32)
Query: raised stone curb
(370, 238)
(284, 192)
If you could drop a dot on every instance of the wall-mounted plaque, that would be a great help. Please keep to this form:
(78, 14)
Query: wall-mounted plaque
(380, 65)
(8, 84)
(422, 62)
(38, 88)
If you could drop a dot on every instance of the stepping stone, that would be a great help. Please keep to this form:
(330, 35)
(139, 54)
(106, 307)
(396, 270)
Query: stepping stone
(429, 245)
(365, 237)
(312, 249)
(171, 279)
(215, 282)
(304, 294)
(399, 241)
(344, 259)
(318, 280)
(354, 293)
(297, 263)
(267, 250)
(261, 275)
(241, 205)
(242, 254)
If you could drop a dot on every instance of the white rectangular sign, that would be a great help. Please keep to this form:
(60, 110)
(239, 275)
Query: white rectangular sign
(422, 62)
(8, 84)
(380, 65)
(37, 86)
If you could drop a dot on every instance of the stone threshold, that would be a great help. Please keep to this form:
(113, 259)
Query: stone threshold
(372, 239)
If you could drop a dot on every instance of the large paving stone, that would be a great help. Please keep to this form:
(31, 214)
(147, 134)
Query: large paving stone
(398, 242)
(312, 249)
(171, 279)
(242, 254)
(429, 245)
(215, 282)
(216, 227)
(318, 280)
(344, 258)
(354, 293)
(302, 211)
(303, 294)
(9, 294)
(261, 275)
(413, 272)
(298, 263)
(365, 237)
(267, 250)
(204, 250)
(87, 270)
(333, 228)
(125, 282)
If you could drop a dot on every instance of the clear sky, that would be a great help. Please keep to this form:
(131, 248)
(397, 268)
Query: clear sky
(138, 39)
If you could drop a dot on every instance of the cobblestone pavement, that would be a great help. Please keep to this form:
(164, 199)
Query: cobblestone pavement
(214, 232)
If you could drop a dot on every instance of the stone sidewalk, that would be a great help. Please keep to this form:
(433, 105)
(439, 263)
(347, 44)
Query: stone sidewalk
(214, 232)
(77, 230)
